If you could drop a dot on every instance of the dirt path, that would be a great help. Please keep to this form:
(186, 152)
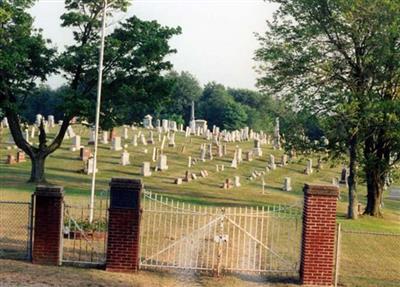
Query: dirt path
(18, 273)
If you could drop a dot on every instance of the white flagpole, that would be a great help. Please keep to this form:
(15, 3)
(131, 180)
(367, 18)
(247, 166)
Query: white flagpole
(99, 86)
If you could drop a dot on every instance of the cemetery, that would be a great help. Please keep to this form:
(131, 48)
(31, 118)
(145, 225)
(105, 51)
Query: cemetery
(158, 144)
(191, 171)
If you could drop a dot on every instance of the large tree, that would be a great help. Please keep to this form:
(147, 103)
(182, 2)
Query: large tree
(133, 62)
(339, 60)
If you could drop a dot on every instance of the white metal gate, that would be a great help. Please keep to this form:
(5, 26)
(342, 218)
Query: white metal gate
(178, 235)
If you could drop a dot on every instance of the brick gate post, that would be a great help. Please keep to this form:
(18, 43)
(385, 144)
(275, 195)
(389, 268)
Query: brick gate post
(124, 225)
(318, 238)
(47, 240)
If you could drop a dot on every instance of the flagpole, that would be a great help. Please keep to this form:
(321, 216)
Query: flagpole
(96, 134)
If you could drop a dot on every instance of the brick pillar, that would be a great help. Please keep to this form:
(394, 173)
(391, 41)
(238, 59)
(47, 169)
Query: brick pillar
(47, 240)
(318, 244)
(124, 225)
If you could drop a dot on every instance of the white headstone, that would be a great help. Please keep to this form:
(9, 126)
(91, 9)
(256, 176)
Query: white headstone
(145, 171)
(287, 186)
(76, 143)
(104, 139)
(134, 140)
(90, 166)
(125, 158)
(272, 164)
(116, 144)
(50, 120)
(309, 168)
(237, 181)
(147, 122)
(162, 163)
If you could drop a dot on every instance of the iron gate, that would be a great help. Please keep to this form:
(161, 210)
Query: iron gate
(176, 235)
(16, 219)
(84, 242)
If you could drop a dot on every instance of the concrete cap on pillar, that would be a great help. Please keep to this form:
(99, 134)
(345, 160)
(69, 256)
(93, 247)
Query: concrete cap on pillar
(49, 191)
(321, 189)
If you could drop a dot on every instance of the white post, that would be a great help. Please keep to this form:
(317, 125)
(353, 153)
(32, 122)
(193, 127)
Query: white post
(99, 85)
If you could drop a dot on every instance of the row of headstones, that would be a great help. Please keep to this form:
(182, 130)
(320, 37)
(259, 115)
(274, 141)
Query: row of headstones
(50, 122)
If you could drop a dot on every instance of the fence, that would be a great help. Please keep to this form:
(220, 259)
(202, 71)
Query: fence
(85, 242)
(369, 259)
(177, 235)
(15, 229)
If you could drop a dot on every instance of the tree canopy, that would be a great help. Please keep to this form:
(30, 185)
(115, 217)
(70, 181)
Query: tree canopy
(339, 61)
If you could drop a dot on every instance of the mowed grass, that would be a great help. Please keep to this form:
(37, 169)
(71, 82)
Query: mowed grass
(62, 169)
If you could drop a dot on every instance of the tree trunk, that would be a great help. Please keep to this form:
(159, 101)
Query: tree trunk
(375, 185)
(37, 154)
(37, 168)
(352, 179)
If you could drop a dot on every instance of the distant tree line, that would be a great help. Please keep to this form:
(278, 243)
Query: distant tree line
(225, 107)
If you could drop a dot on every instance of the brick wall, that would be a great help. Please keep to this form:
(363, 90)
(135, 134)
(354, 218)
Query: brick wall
(47, 240)
(124, 225)
(318, 238)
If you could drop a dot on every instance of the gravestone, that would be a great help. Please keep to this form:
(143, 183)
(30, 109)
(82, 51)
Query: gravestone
(220, 151)
(343, 176)
(210, 151)
(146, 171)
(150, 140)
(272, 164)
(126, 136)
(257, 151)
(234, 163)
(147, 122)
(125, 158)
(154, 154)
(227, 184)
(76, 143)
(319, 164)
(50, 120)
(92, 135)
(162, 163)
(239, 156)
(249, 156)
(104, 137)
(284, 160)
(84, 153)
(178, 180)
(116, 144)
(203, 153)
(165, 125)
(143, 139)
(38, 120)
(237, 181)
(163, 143)
(20, 156)
(287, 185)
(309, 168)
(171, 142)
(188, 176)
(90, 166)
(189, 162)
(11, 159)
(134, 140)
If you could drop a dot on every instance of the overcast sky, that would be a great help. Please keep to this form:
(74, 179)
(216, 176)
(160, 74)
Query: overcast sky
(217, 41)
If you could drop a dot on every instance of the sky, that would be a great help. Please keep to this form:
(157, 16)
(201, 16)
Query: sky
(217, 41)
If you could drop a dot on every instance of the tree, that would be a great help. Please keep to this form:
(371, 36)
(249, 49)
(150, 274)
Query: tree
(339, 60)
(185, 89)
(24, 59)
(133, 62)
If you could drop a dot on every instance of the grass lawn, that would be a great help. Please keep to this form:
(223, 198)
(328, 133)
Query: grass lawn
(62, 169)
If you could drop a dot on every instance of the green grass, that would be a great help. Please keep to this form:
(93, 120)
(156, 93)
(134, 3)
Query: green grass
(62, 169)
